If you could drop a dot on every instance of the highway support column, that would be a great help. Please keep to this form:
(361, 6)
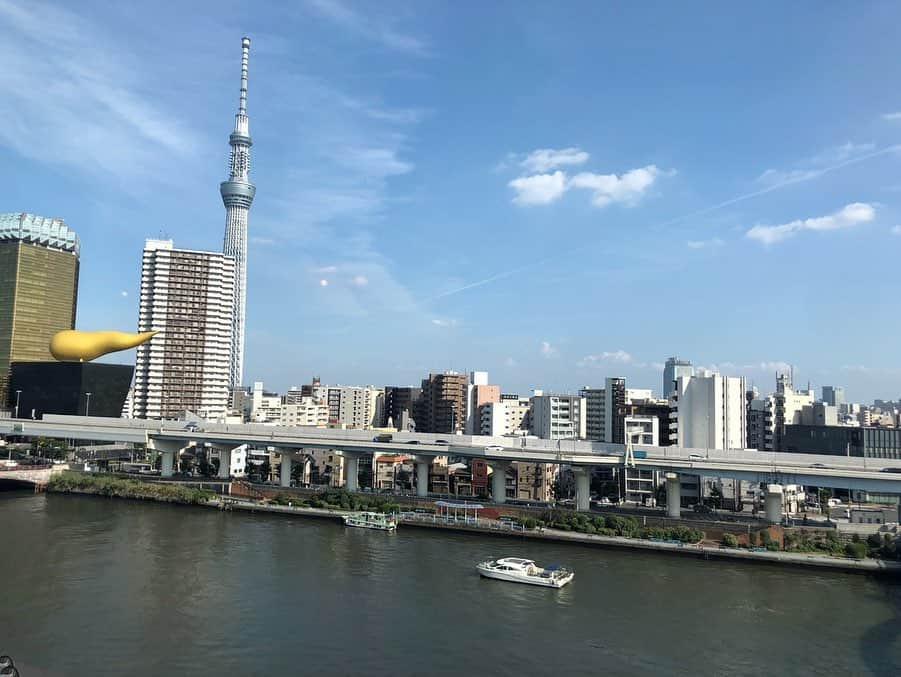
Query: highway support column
(285, 472)
(351, 471)
(583, 488)
(673, 495)
(499, 480)
(422, 475)
(774, 503)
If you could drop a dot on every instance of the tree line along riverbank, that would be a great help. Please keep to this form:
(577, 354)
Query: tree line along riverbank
(809, 542)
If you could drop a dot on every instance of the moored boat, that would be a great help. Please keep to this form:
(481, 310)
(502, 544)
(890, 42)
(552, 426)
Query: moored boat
(371, 520)
(518, 570)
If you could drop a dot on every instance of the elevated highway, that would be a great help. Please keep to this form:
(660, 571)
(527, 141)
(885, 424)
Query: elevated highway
(169, 437)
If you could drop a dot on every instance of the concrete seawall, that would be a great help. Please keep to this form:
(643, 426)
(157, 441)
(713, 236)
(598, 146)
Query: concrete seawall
(869, 566)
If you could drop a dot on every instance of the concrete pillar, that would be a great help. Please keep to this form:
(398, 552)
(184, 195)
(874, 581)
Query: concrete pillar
(285, 474)
(774, 503)
(422, 477)
(673, 495)
(225, 462)
(351, 472)
(499, 482)
(583, 488)
(168, 461)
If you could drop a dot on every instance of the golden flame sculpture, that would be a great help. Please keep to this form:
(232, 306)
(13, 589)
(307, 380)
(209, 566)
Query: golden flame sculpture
(83, 346)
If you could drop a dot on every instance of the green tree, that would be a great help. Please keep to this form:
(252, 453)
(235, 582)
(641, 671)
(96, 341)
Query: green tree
(730, 541)
(856, 550)
(716, 497)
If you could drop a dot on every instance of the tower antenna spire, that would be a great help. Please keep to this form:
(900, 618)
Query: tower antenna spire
(237, 196)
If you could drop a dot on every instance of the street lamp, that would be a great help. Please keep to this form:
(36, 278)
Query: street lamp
(18, 395)
(87, 406)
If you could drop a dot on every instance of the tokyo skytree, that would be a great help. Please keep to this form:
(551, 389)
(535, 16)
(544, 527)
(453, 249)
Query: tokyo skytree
(237, 195)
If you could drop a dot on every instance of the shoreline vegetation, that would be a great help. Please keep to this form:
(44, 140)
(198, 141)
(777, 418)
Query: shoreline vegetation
(562, 526)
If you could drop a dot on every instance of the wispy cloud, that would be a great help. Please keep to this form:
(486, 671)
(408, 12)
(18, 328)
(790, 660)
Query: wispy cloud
(896, 230)
(545, 159)
(816, 165)
(891, 116)
(849, 216)
(444, 322)
(71, 98)
(548, 351)
(509, 362)
(123, 293)
(616, 356)
(266, 241)
(713, 243)
(372, 26)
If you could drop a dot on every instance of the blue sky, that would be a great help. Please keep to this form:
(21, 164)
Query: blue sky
(554, 193)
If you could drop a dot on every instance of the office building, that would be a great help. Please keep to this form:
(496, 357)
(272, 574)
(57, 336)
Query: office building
(819, 413)
(188, 297)
(237, 196)
(834, 395)
(838, 440)
(558, 417)
(760, 420)
(709, 412)
(441, 407)
(39, 259)
(672, 371)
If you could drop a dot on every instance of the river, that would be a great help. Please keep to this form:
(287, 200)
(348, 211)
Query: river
(94, 586)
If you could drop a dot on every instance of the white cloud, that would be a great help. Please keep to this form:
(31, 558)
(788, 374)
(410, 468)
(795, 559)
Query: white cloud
(891, 116)
(547, 350)
(617, 356)
(847, 217)
(373, 26)
(326, 269)
(123, 293)
(323, 283)
(659, 366)
(701, 244)
(359, 281)
(607, 188)
(545, 159)
(444, 322)
(540, 189)
(816, 165)
(841, 153)
(374, 162)
(266, 241)
(896, 230)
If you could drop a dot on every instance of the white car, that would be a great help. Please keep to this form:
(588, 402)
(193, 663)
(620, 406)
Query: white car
(494, 447)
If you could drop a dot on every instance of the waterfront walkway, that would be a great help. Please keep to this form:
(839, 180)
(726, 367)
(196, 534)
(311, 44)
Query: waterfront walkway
(494, 527)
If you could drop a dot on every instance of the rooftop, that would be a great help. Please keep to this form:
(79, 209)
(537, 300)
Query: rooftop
(47, 232)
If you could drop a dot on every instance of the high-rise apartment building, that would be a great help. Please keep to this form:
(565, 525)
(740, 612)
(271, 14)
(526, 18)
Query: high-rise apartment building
(478, 393)
(360, 407)
(672, 370)
(38, 288)
(188, 297)
(605, 410)
(558, 417)
(788, 404)
(710, 411)
(510, 416)
(237, 196)
(398, 400)
(441, 407)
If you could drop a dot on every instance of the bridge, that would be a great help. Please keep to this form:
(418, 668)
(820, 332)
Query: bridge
(772, 468)
(36, 475)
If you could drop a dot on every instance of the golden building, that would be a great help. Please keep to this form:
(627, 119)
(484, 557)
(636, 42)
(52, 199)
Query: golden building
(38, 289)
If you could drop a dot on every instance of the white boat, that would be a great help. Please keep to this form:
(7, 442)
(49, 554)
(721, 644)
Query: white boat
(517, 570)
(371, 520)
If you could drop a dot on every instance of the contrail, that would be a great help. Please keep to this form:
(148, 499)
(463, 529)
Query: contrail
(814, 174)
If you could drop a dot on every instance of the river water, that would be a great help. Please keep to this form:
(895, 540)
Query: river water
(93, 586)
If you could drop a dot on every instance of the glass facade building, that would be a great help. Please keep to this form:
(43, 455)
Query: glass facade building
(38, 289)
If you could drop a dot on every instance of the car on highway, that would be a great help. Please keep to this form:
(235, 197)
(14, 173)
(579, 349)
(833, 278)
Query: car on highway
(696, 457)
(890, 470)
(494, 447)
(444, 442)
(413, 442)
(385, 437)
(192, 427)
(819, 465)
